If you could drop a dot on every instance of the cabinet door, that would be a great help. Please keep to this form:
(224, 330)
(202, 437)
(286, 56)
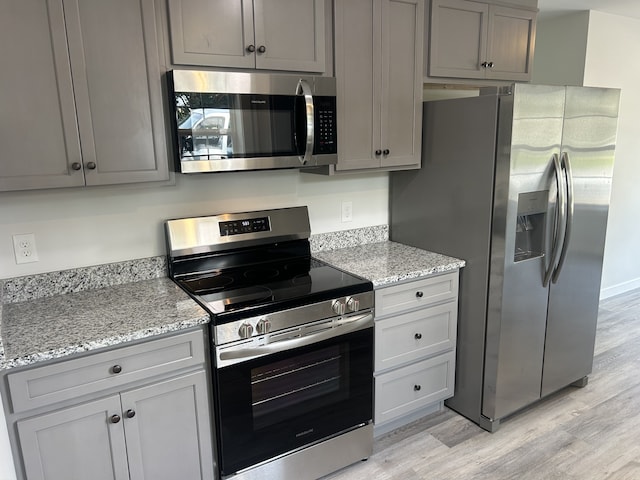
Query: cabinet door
(38, 127)
(169, 434)
(289, 34)
(510, 44)
(76, 443)
(358, 63)
(401, 119)
(114, 52)
(458, 38)
(212, 32)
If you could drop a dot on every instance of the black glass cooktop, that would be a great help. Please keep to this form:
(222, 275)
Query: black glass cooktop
(233, 293)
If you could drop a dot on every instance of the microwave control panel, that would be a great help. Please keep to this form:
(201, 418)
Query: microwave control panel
(325, 123)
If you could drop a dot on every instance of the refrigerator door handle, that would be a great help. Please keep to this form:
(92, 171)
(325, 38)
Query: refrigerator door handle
(560, 220)
(566, 166)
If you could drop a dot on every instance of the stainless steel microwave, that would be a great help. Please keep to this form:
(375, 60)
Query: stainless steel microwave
(225, 121)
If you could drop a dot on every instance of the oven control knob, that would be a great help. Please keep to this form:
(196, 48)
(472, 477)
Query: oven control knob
(245, 330)
(353, 304)
(338, 307)
(263, 326)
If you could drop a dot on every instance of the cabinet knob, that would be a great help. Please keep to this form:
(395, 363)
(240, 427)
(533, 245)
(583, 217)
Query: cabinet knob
(130, 413)
(386, 151)
(91, 165)
(114, 418)
(419, 294)
(484, 64)
(116, 369)
(417, 388)
(490, 64)
(76, 166)
(262, 49)
(251, 48)
(378, 152)
(417, 336)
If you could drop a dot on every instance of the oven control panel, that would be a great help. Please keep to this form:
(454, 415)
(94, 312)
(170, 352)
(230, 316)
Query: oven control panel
(246, 225)
(271, 323)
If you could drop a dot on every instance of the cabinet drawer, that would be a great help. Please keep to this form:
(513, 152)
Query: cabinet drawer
(405, 390)
(68, 379)
(417, 294)
(415, 335)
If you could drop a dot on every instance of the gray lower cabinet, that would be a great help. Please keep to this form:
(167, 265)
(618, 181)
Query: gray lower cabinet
(262, 34)
(480, 40)
(158, 429)
(82, 95)
(378, 65)
(415, 343)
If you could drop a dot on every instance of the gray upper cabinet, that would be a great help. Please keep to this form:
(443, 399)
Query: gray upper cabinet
(83, 94)
(480, 41)
(378, 53)
(263, 34)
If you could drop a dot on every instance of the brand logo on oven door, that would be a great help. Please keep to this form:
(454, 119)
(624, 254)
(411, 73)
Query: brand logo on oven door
(303, 433)
(259, 101)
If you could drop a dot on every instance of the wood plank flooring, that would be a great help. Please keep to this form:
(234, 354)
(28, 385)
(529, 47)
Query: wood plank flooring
(576, 434)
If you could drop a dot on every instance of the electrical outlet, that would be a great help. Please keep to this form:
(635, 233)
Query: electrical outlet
(24, 247)
(347, 211)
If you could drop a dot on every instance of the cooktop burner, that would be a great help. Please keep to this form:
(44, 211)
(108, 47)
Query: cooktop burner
(269, 287)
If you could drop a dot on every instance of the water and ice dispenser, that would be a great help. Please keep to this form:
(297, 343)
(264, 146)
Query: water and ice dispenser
(530, 225)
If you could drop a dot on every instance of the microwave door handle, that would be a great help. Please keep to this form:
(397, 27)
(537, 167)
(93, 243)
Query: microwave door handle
(566, 165)
(305, 90)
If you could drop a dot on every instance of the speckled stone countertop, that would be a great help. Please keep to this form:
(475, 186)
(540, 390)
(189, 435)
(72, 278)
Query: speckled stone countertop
(386, 263)
(45, 326)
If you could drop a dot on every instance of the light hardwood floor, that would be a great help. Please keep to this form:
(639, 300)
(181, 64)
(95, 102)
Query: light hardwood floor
(575, 434)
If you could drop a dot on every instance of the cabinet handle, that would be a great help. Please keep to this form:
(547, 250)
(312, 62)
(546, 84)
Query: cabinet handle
(76, 166)
(116, 369)
(490, 64)
(114, 418)
(378, 152)
(91, 165)
(419, 294)
(484, 64)
(386, 151)
(417, 388)
(251, 48)
(417, 336)
(262, 49)
(130, 413)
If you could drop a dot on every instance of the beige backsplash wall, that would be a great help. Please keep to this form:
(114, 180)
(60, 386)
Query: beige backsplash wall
(89, 226)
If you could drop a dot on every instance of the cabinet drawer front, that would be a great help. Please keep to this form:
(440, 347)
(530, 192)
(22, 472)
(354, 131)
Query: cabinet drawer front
(417, 294)
(68, 379)
(415, 335)
(411, 388)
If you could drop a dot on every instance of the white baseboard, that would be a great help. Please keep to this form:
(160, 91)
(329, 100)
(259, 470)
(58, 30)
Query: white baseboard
(619, 288)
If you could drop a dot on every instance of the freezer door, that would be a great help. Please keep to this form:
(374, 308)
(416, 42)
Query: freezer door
(529, 135)
(588, 143)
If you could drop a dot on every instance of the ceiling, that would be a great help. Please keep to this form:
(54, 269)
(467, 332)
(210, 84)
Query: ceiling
(627, 8)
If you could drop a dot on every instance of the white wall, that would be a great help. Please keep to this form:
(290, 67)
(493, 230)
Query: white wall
(89, 226)
(603, 57)
(611, 60)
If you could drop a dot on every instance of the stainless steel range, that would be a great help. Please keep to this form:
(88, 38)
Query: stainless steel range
(292, 344)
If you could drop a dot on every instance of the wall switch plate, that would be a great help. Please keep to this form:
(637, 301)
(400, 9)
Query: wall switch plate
(347, 211)
(24, 247)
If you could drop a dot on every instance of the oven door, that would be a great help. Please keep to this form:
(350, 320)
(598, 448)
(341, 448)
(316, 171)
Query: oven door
(282, 401)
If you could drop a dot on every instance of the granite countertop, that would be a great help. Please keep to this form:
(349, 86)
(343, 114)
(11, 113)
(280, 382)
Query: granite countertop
(386, 263)
(56, 326)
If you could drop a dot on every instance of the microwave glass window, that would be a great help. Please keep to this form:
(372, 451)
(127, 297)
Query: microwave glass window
(214, 126)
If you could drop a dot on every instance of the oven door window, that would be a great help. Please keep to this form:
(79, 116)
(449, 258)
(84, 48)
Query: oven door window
(278, 403)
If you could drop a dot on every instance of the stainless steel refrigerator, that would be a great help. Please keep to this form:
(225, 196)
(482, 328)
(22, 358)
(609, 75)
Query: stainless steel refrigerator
(516, 182)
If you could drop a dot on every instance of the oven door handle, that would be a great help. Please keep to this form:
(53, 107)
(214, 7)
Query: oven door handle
(341, 329)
